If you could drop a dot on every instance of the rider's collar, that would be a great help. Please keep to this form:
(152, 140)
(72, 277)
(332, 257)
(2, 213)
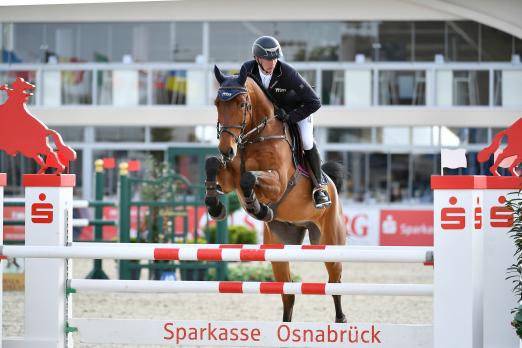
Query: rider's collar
(228, 93)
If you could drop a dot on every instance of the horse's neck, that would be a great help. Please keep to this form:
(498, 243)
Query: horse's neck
(262, 107)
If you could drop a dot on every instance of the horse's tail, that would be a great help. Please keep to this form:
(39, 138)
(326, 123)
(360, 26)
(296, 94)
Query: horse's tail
(484, 155)
(336, 172)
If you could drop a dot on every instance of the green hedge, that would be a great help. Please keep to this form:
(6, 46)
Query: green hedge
(236, 235)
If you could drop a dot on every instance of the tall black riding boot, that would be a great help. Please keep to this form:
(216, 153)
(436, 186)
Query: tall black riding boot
(320, 192)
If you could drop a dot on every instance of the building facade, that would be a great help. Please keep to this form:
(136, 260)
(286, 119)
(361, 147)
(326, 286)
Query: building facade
(398, 79)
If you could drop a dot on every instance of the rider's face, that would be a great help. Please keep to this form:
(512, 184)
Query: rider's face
(268, 65)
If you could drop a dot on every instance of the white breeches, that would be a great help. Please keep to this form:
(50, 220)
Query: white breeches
(306, 128)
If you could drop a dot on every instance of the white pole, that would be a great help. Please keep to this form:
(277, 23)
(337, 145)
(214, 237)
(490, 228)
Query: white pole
(193, 254)
(48, 222)
(209, 287)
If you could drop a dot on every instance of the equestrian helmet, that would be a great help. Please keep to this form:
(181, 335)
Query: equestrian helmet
(266, 47)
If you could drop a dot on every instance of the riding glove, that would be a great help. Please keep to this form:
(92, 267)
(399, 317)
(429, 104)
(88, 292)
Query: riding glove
(281, 114)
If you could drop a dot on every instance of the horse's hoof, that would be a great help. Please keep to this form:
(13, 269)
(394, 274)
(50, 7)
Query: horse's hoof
(341, 319)
(217, 212)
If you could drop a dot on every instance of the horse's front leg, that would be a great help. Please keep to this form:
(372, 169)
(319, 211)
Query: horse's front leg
(253, 206)
(213, 167)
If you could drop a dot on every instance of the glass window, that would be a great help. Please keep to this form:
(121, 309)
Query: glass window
(470, 87)
(300, 41)
(478, 135)
(120, 134)
(76, 87)
(29, 44)
(333, 87)
(423, 167)
(169, 87)
(451, 136)
(350, 135)
(94, 42)
(402, 87)
(181, 134)
(496, 45)
(70, 133)
(422, 136)
(378, 177)
(393, 135)
(462, 41)
(356, 163)
(429, 40)
(359, 38)
(400, 169)
(186, 41)
(518, 47)
(395, 40)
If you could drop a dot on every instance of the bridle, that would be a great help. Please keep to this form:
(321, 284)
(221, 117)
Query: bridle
(247, 109)
(243, 139)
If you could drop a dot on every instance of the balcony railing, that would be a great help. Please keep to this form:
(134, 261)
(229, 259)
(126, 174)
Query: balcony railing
(354, 85)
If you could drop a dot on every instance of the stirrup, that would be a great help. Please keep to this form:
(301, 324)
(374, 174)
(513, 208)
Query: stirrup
(323, 204)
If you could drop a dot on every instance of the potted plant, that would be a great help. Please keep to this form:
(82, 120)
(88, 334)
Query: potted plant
(515, 271)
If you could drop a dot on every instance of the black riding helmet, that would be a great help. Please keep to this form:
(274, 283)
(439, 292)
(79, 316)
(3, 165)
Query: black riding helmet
(266, 47)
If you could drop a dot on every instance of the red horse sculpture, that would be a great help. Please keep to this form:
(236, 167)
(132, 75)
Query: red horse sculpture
(513, 148)
(21, 132)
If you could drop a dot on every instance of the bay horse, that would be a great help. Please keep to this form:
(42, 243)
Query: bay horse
(256, 162)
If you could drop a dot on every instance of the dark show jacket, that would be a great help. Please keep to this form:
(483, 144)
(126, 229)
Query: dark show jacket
(289, 90)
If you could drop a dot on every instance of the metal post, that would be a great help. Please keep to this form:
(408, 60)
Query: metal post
(222, 238)
(97, 271)
(124, 216)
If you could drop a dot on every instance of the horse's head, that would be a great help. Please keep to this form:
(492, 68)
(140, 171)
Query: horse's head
(234, 110)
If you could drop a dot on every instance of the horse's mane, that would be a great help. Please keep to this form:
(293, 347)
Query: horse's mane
(260, 95)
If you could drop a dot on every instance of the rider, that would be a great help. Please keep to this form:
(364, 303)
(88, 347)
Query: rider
(296, 101)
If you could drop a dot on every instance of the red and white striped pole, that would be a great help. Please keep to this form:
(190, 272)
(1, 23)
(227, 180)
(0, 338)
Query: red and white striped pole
(48, 222)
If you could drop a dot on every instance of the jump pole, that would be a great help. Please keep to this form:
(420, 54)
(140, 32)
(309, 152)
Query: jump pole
(48, 221)
(472, 299)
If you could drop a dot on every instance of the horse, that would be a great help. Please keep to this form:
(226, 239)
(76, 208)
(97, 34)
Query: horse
(256, 162)
(513, 149)
(22, 132)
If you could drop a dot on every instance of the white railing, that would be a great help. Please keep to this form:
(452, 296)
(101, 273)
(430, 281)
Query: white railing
(347, 84)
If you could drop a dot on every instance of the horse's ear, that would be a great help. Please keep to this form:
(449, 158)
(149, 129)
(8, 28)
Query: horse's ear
(219, 76)
(242, 76)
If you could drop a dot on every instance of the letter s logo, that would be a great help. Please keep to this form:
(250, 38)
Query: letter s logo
(453, 218)
(42, 213)
(501, 216)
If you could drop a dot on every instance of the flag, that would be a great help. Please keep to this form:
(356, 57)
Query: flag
(453, 158)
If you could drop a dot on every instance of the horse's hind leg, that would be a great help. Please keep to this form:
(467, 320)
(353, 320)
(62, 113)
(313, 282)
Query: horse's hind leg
(281, 272)
(334, 233)
(216, 209)
(335, 270)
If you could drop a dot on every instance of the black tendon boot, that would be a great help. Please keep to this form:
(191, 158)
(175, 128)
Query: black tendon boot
(320, 192)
